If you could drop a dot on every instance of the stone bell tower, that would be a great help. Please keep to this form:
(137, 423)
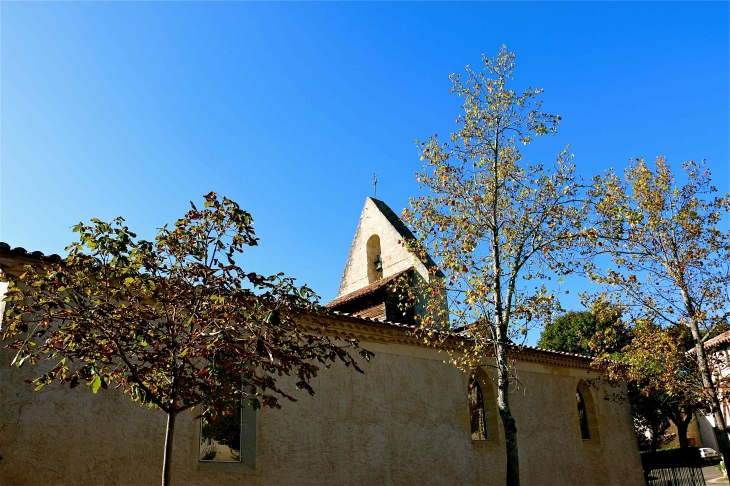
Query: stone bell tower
(377, 257)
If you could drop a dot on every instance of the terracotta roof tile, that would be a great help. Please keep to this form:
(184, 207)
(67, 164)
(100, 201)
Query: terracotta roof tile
(19, 251)
(367, 290)
(719, 341)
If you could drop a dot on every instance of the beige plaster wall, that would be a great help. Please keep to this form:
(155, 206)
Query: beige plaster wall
(405, 421)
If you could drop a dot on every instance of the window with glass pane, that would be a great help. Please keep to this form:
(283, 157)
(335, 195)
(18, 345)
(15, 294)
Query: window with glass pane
(582, 416)
(220, 436)
(476, 411)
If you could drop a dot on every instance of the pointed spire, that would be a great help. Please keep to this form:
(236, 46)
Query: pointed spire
(377, 250)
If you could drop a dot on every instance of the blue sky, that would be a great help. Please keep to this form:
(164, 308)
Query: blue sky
(134, 108)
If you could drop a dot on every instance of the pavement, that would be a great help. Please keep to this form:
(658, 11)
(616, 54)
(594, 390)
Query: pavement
(713, 476)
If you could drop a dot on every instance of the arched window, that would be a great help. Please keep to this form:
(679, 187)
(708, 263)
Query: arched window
(375, 264)
(479, 429)
(585, 431)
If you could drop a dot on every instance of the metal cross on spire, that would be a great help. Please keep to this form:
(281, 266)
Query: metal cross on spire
(375, 185)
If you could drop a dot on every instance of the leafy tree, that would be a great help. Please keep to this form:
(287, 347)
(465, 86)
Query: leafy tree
(651, 425)
(664, 381)
(581, 332)
(173, 322)
(493, 223)
(671, 262)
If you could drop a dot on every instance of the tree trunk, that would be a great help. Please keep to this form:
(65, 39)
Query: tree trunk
(508, 422)
(681, 417)
(682, 428)
(168, 449)
(716, 411)
(655, 428)
(510, 435)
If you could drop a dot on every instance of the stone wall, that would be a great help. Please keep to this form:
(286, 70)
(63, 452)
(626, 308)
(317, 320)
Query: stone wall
(405, 421)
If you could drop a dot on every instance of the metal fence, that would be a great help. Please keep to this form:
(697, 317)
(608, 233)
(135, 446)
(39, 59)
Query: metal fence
(673, 467)
(675, 476)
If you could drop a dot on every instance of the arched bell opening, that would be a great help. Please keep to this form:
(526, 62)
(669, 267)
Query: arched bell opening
(375, 263)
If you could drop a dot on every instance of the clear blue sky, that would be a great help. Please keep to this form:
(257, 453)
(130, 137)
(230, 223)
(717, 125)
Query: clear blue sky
(133, 108)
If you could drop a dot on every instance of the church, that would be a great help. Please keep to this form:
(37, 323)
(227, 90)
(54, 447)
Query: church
(410, 418)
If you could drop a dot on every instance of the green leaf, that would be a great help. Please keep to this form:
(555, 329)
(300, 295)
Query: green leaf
(95, 384)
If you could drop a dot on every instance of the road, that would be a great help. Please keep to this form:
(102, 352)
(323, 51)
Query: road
(713, 476)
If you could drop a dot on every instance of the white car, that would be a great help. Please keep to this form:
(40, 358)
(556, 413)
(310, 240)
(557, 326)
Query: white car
(709, 455)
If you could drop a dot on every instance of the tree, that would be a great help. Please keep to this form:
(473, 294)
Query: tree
(650, 424)
(671, 260)
(493, 223)
(581, 332)
(173, 322)
(663, 383)
(663, 380)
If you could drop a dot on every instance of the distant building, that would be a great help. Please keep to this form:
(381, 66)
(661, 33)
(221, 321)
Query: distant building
(718, 354)
(410, 419)
(695, 432)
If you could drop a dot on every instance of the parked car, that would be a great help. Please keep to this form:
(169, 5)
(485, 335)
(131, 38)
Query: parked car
(709, 455)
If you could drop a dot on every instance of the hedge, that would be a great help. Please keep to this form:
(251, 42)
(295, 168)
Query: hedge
(670, 458)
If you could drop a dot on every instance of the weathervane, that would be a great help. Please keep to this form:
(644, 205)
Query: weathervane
(375, 185)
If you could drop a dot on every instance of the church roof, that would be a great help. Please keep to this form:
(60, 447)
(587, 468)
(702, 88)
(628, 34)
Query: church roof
(367, 290)
(406, 331)
(21, 252)
(393, 218)
(409, 336)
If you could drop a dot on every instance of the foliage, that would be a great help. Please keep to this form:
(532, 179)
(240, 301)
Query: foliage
(672, 457)
(656, 359)
(581, 332)
(722, 469)
(671, 260)
(174, 322)
(671, 263)
(691, 451)
(664, 381)
(651, 425)
(494, 223)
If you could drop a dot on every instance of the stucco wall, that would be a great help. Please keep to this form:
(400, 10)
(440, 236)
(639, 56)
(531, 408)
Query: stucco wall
(405, 421)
